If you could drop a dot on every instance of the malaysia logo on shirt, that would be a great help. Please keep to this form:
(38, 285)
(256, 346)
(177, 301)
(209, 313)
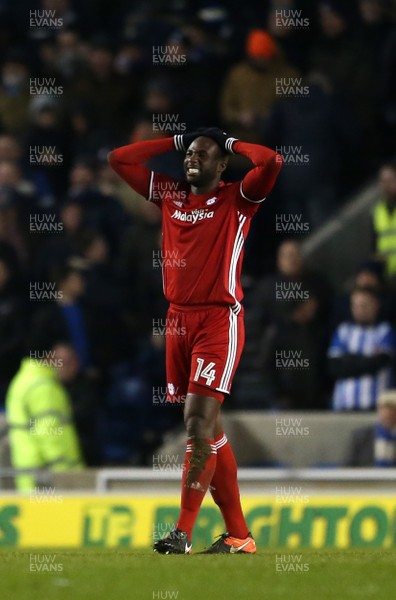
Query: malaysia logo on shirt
(194, 216)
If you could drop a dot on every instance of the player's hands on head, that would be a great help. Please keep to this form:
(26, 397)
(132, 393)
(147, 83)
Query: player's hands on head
(225, 141)
(182, 141)
(222, 138)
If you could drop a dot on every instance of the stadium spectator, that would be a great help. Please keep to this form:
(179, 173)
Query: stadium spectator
(101, 211)
(59, 246)
(13, 205)
(12, 318)
(104, 299)
(69, 54)
(387, 94)
(109, 95)
(85, 402)
(14, 93)
(344, 58)
(88, 138)
(374, 34)
(361, 355)
(26, 180)
(131, 57)
(47, 146)
(274, 295)
(317, 135)
(140, 263)
(270, 306)
(375, 445)
(375, 28)
(294, 34)
(136, 399)
(370, 274)
(384, 219)
(64, 318)
(249, 89)
(292, 356)
(39, 417)
(10, 149)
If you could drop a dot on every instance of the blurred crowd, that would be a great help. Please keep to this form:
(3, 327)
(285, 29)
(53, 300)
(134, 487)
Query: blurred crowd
(80, 251)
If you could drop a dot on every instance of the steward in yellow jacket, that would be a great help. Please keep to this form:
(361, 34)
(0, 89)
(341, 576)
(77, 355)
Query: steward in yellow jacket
(384, 219)
(39, 416)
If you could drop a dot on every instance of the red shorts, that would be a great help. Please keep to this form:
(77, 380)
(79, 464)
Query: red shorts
(203, 348)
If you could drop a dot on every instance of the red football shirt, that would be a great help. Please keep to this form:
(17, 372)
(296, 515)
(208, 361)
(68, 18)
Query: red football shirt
(203, 235)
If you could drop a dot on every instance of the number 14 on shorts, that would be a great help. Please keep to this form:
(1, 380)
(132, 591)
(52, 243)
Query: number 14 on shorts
(208, 372)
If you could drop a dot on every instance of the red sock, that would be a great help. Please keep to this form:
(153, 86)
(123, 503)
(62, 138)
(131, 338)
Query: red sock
(198, 470)
(225, 491)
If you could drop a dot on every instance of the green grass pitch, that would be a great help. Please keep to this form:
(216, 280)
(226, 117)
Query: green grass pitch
(133, 575)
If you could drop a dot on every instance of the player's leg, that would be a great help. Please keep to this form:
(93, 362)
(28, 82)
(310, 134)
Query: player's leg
(200, 414)
(225, 492)
(177, 374)
(224, 485)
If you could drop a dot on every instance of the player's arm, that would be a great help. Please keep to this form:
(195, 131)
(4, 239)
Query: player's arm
(259, 181)
(129, 161)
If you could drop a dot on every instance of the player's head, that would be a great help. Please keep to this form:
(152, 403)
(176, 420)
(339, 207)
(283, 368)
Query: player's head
(204, 162)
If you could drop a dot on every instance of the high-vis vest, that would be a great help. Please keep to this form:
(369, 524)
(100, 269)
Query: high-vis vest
(385, 229)
(40, 428)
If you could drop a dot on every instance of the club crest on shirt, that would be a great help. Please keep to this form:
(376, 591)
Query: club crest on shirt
(194, 216)
(211, 200)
